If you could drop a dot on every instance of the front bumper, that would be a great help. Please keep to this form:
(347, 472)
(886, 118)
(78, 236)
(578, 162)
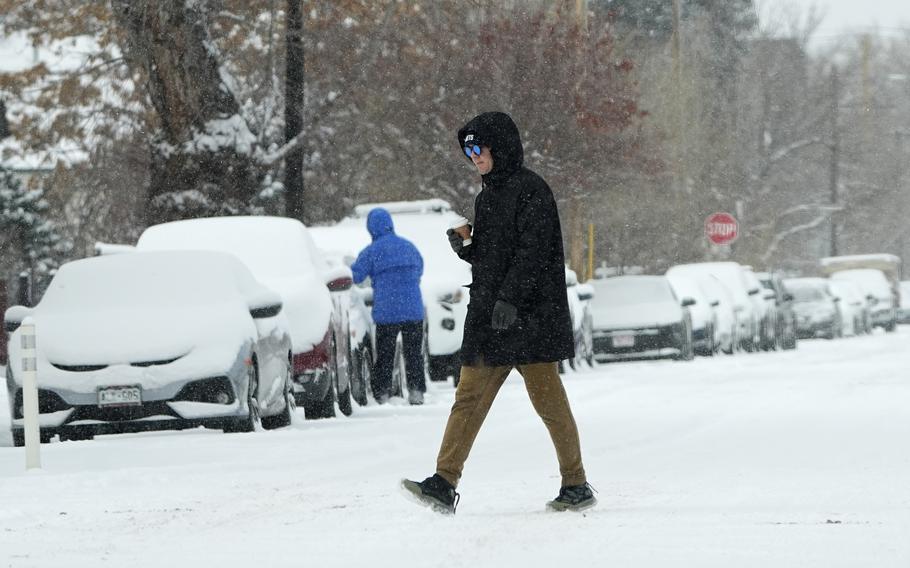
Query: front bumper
(206, 402)
(665, 341)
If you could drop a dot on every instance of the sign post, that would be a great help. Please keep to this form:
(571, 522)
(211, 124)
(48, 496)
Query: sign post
(721, 228)
(30, 395)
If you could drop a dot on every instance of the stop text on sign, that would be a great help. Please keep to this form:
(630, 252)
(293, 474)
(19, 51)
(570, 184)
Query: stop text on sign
(721, 228)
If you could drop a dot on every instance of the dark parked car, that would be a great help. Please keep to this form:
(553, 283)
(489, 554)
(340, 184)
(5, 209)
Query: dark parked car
(786, 316)
(817, 313)
(640, 317)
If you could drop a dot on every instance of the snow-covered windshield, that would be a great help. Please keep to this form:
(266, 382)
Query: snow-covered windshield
(807, 294)
(271, 247)
(632, 290)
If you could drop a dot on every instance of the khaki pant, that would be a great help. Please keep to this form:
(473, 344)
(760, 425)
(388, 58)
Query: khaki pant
(478, 387)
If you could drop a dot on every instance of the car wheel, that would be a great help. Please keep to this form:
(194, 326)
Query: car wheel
(361, 374)
(325, 408)
(253, 420)
(344, 397)
(18, 438)
(439, 369)
(286, 416)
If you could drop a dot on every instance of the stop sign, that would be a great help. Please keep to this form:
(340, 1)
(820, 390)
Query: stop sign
(721, 228)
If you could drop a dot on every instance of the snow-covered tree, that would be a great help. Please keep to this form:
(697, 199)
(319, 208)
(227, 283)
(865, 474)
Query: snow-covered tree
(29, 239)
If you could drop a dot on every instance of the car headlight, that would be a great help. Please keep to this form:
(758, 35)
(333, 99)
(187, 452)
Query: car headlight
(451, 297)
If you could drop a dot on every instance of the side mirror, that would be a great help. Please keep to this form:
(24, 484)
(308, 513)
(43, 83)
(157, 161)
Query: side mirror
(367, 294)
(715, 303)
(836, 300)
(267, 311)
(686, 302)
(753, 291)
(872, 299)
(585, 296)
(788, 297)
(770, 295)
(13, 317)
(341, 284)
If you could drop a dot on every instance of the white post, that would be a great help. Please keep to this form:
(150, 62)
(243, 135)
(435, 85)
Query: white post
(30, 395)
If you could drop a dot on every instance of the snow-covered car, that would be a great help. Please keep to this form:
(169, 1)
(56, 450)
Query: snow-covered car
(579, 297)
(640, 317)
(765, 302)
(879, 277)
(733, 278)
(853, 306)
(883, 304)
(702, 312)
(281, 254)
(445, 276)
(817, 313)
(151, 341)
(903, 312)
(786, 317)
(363, 339)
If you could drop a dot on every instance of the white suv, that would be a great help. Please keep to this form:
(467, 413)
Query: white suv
(445, 296)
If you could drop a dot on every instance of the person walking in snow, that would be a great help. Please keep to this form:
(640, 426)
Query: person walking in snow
(518, 316)
(394, 266)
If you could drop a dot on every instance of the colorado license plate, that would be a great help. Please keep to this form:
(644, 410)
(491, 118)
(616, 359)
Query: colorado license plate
(120, 396)
(624, 340)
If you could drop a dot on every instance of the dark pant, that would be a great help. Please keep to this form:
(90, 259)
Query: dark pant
(412, 342)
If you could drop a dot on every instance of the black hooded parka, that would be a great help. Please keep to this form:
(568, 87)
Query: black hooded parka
(516, 255)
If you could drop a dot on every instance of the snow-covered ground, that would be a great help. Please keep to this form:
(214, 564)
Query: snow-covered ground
(780, 459)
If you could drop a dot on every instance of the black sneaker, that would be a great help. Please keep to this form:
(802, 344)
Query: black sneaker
(573, 498)
(433, 492)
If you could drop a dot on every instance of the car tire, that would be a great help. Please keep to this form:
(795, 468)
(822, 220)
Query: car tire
(18, 438)
(286, 416)
(361, 374)
(439, 369)
(253, 420)
(325, 408)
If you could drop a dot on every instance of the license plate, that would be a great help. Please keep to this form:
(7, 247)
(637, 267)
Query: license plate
(120, 396)
(625, 340)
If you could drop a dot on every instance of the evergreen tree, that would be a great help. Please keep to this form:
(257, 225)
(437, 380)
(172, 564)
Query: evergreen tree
(29, 240)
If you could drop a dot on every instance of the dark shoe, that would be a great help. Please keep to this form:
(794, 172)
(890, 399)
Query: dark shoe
(433, 492)
(573, 498)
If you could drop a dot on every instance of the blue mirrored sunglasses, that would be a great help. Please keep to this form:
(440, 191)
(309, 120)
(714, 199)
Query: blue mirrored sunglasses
(472, 150)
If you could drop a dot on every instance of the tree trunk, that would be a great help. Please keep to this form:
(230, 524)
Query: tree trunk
(204, 159)
(293, 110)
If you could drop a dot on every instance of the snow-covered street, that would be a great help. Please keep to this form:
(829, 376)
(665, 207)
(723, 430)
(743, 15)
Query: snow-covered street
(776, 459)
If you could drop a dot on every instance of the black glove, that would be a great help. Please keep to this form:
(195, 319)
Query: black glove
(455, 241)
(504, 314)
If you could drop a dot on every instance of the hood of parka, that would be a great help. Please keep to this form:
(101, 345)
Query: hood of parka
(496, 130)
(379, 223)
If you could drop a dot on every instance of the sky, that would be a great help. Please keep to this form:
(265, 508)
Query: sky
(844, 17)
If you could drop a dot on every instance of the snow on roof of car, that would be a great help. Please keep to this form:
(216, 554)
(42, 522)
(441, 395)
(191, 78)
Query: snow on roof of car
(162, 279)
(870, 279)
(442, 271)
(270, 246)
(402, 207)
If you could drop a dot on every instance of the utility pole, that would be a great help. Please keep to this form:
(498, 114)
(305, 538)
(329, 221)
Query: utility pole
(835, 155)
(867, 91)
(293, 110)
(677, 101)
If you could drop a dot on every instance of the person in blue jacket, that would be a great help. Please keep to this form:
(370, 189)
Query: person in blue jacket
(394, 266)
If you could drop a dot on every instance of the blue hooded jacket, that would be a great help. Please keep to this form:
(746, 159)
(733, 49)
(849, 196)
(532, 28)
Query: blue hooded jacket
(395, 266)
